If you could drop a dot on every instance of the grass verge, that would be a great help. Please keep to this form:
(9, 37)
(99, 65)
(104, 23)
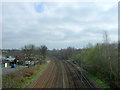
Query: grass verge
(23, 77)
(101, 83)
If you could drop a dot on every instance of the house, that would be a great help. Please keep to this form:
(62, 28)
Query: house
(20, 60)
(10, 58)
(7, 61)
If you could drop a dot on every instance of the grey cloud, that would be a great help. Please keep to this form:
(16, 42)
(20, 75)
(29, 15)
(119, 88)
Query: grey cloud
(59, 24)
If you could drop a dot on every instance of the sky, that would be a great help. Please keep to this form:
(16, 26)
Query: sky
(58, 24)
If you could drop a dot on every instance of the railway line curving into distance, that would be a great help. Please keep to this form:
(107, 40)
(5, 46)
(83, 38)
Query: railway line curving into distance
(62, 74)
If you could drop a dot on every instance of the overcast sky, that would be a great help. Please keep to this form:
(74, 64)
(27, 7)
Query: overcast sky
(58, 25)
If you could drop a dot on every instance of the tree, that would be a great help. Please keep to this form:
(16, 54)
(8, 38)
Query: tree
(70, 51)
(105, 38)
(43, 50)
(28, 50)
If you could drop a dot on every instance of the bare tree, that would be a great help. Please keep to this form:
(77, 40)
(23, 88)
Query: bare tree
(28, 50)
(43, 50)
(105, 38)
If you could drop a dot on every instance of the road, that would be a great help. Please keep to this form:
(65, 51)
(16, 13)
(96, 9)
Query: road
(10, 70)
(63, 74)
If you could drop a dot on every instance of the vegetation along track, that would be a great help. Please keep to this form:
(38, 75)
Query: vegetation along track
(62, 74)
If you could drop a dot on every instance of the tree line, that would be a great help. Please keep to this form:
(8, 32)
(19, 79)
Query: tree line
(100, 59)
(31, 50)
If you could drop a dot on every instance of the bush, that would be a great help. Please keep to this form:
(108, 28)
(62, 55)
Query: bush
(21, 78)
(101, 60)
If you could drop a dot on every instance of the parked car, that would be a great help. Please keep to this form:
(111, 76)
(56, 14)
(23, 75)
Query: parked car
(13, 66)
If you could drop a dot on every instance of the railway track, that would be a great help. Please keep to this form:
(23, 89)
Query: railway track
(84, 81)
(62, 74)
